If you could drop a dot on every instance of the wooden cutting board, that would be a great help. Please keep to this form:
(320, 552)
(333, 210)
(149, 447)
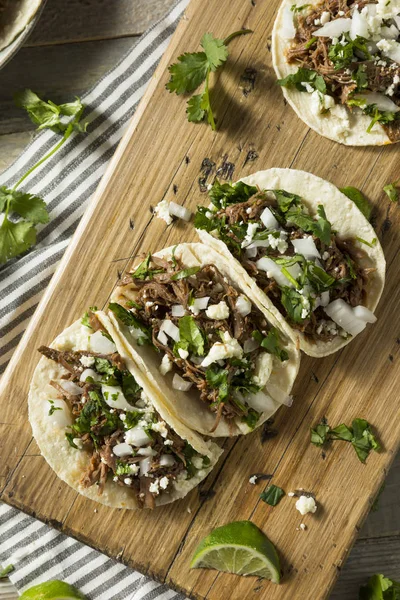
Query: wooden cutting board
(164, 156)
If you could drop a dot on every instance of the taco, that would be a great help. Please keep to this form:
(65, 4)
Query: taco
(212, 354)
(303, 249)
(103, 431)
(338, 63)
(15, 15)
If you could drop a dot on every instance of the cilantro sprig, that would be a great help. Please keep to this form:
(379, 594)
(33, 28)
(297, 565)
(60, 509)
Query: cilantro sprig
(359, 435)
(272, 495)
(392, 191)
(380, 587)
(18, 233)
(194, 68)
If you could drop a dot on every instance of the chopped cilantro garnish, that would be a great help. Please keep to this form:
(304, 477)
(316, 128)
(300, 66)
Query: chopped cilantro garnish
(191, 337)
(272, 495)
(184, 273)
(6, 571)
(271, 343)
(380, 587)
(359, 200)
(53, 408)
(359, 435)
(303, 76)
(342, 56)
(391, 191)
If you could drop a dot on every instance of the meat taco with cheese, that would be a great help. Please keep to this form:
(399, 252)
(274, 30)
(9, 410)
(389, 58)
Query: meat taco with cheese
(103, 430)
(338, 63)
(214, 356)
(305, 251)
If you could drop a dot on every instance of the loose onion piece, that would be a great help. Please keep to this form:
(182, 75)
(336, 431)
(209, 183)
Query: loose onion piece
(250, 345)
(334, 28)
(324, 298)
(268, 219)
(145, 465)
(341, 313)
(123, 450)
(162, 338)
(114, 397)
(288, 30)
(180, 384)
(100, 343)
(359, 25)
(201, 303)
(177, 310)
(70, 387)
(260, 401)
(306, 246)
(146, 451)
(137, 436)
(251, 251)
(362, 312)
(179, 211)
(270, 266)
(89, 373)
(170, 329)
(382, 102)
(258, 244)
(166, 460)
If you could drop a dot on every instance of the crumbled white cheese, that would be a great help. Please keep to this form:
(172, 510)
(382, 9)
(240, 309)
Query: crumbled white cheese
(134, 469)
(183, 353)
(122, 416)
(291, 494)
(115, 478)
(166, 365)
(87, 361)
(161, 428)
(306, 504)
(78, 442)
(251, 230)
(161, 211)
(168, 443)
(253, 479)
(128, 481)
(303, 526)
(325, 256)
(229, 348)
(263, 369)
(197, 462)
(218, 311)
(325, 17)
(278, 243)
(164, 483)
(154, 487)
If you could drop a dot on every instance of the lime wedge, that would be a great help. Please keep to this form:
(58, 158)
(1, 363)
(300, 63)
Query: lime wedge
(53, 590)
(240, 548)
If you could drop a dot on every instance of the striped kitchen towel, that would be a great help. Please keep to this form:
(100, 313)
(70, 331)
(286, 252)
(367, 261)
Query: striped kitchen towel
(67, 182)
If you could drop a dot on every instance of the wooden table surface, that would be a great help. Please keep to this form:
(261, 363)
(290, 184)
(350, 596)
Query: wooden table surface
(73, 45)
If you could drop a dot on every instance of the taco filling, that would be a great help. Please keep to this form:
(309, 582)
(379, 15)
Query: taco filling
(348, 56)
(115, 422)
(313, 277)
(207, 333)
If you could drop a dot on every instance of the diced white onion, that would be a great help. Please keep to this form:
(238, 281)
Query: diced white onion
(288, 30)
(162, 338)
(260, 401)
(177, 310)
(342, 313)
(362, 312)
(180, 384)
(145, 465)
(114, 397)
(201, 303)
(393, 52)
(70, 387)
(89, 373)
(148, 451)
(270, 266)
(59, 418)
(279, 395)
(382, 102)
(196, 360)
(306, 247)
(135, 333)
(243, 305)
(324, 299)
(167, 460)
(101, 344)
(137, 437)
(251, 251)
(258, 244)
(359, 25)
(170, 329)
(389, 33)
(268, 219)
(179, 211)
(294, 271)
(334, 28)
(123, 450)
(250, 345)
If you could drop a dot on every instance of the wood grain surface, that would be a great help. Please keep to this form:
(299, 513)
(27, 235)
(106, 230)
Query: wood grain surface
(161, 151)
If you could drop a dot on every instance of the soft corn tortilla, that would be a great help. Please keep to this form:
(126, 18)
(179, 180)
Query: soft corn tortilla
(346, 220)
(69, 463)
(187, 406)
(343, 126)
(15, 15)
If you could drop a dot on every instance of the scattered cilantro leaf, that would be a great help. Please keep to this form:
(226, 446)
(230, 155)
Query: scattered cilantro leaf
(191, 336)
(218, 379)
(272, 495)
(128, 318)
(302, 76)
(359, 200)
(342, 55)
(184, 273)
(319, 434)
(271, 343)
(5, 572)
(48, 115)
(391, 191)
(194, 68)
(359, 435)
(380, 587)
(15, 238)
(86, 317)
(53, 408)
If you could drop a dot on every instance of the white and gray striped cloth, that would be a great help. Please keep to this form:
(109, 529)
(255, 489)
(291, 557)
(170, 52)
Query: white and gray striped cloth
(67, 182)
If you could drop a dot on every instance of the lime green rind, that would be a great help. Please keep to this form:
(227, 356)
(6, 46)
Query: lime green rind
(240, 548)
(53, 590)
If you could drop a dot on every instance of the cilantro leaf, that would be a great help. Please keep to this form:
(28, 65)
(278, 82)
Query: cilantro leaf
(215, 49)
(188, 73)
(191, 336)
(128, 318)
(380, 587)
(391, 191)
(30, 207)
(15, 238)
(303, 76)
(292, 302)
(225, 194)
(319, 434)
(359, 200)
(184, 273)
(218, 378)
(342, 55)
(320, 227)
(271, 343)
(47, 115)
(272, 495)
(194, 109)
(359, 435)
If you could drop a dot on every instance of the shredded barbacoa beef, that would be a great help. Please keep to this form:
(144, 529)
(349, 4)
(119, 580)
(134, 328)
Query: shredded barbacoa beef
(342, 264)
(341, 82)
(155, 298)
(97, 429)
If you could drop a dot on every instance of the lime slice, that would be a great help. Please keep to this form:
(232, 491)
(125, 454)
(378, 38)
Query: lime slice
(53, 590)
(240, 548)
